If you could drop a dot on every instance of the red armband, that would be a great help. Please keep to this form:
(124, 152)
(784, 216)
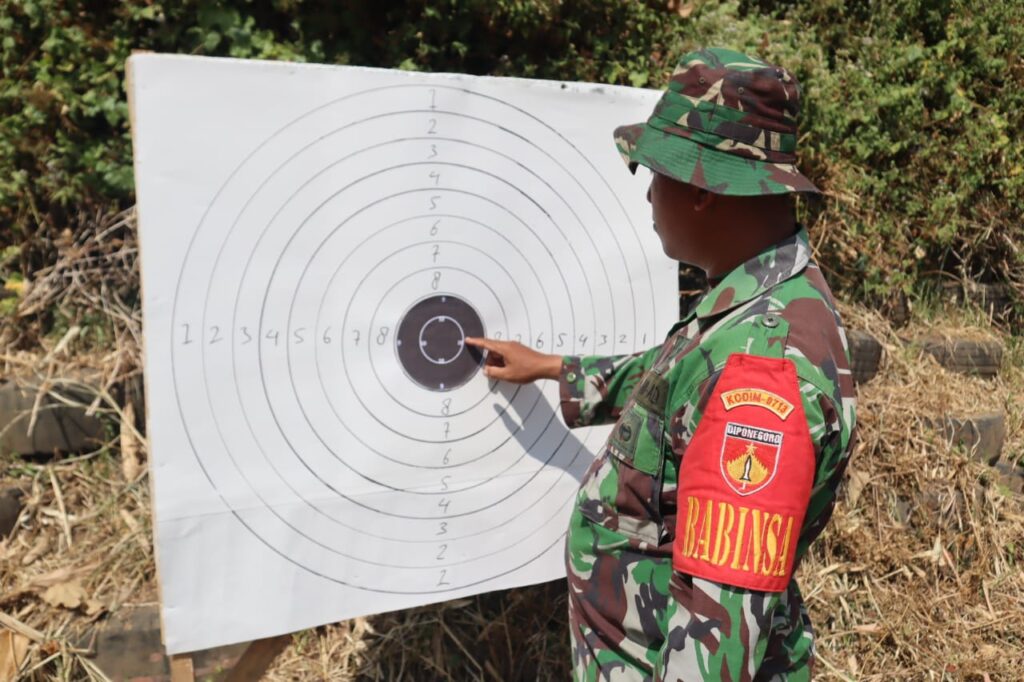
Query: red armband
(745, 478)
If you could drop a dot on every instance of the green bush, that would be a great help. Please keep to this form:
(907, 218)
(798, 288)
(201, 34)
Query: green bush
(913, 108)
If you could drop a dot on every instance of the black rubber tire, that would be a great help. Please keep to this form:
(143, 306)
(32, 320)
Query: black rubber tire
(10, 508)
(896, 309)
(865, 355)
(966, 356)
(693, 284)
(59, 428)
(994, 299)
(1010, 477)
(981, 436)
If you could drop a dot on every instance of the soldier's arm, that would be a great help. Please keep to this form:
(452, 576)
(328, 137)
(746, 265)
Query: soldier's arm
(593, 388)
(719, 626)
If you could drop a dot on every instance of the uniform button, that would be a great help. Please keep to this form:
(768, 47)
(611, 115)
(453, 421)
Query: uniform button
(770, 321)
(570, 377)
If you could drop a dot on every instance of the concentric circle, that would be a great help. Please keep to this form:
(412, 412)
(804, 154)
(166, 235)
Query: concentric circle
(323, 305)
(431, 342)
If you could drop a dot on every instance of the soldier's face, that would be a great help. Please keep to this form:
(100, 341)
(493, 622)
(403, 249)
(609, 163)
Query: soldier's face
(679, 212)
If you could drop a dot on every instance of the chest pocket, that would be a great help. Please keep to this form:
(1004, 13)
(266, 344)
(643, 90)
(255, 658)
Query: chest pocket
(624, 489)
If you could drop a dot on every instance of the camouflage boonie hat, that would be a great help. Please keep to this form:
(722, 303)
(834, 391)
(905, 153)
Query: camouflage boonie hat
(726, 123)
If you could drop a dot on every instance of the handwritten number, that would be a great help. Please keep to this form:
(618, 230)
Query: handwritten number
(432, 130)
(540, 340)
(298, 334)
(436, 177)
(433, 98)
(433, 228)
(443, 530)
(440, 555)
(248, 336)
(561, 340)
(437, 251)
(433, 201)
(446, 408)
(273, 335)
(382, 336)
(622, 338)
(187, 340)
(604, 339)
(441, 582)
(436, 281)
(443, 504)
(215, 330)
(433, 151)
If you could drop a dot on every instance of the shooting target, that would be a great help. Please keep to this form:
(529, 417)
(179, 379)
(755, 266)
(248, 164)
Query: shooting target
(317, 244)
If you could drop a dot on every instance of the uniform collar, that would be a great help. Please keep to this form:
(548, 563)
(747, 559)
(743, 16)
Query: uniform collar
(775, 264)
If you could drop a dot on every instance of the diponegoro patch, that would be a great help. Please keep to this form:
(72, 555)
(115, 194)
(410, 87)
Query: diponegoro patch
(749, 457)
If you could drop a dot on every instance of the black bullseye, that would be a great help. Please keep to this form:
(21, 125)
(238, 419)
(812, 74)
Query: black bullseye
(431, 342)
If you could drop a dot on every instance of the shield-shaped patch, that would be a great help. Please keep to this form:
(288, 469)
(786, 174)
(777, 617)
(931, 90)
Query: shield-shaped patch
(750, 457)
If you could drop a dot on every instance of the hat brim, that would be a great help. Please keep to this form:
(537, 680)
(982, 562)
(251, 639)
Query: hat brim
(714, 170)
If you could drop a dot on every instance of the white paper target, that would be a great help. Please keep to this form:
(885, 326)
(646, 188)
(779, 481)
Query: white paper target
(316, 244)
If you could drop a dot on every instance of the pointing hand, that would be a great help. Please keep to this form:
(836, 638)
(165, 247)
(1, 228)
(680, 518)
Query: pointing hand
(514, 362)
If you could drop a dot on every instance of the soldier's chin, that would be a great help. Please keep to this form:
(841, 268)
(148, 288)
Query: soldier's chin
(680, 255)
(671, 250)
(664, 244)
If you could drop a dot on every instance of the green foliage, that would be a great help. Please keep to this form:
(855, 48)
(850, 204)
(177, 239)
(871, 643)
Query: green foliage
(912, 107)
(911, 110)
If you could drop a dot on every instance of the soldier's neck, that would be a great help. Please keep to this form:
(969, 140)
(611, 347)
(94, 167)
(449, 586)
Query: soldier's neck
(738, 243)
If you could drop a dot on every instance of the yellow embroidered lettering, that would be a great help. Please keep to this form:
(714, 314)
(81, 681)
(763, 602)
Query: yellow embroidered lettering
(692, 516)
(783, 560)
(705, 532)
(723, 539)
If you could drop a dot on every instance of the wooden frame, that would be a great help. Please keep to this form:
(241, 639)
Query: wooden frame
(253, 663)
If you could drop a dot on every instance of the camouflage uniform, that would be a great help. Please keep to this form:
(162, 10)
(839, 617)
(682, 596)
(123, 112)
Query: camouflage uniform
(729, 442)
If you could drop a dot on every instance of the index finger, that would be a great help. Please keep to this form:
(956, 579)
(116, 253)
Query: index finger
(486, 344)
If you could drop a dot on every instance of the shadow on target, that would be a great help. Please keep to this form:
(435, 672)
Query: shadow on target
(571, 454)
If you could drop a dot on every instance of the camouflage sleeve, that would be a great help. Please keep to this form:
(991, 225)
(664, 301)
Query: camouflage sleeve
(593, 388)
(716, 631)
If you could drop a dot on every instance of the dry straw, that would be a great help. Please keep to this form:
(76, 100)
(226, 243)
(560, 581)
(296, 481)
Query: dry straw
(918, 577)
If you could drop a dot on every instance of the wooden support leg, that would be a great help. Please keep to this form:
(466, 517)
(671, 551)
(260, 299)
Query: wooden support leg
(251, 665)
(181, 668)
(257, 658)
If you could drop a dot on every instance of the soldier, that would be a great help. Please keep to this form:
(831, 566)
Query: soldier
(731, 437)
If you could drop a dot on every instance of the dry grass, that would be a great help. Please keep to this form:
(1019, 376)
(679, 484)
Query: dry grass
(918, 577)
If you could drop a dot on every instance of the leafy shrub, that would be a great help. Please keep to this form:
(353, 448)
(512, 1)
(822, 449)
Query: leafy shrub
(911, 106)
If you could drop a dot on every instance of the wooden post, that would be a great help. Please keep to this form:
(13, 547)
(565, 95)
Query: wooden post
(181, 668)
(257, 658)
(251, 665)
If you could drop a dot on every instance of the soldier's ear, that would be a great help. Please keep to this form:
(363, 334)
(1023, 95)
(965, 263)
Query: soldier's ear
(704, 200)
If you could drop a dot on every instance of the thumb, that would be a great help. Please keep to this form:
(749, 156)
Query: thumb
(499, 372)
